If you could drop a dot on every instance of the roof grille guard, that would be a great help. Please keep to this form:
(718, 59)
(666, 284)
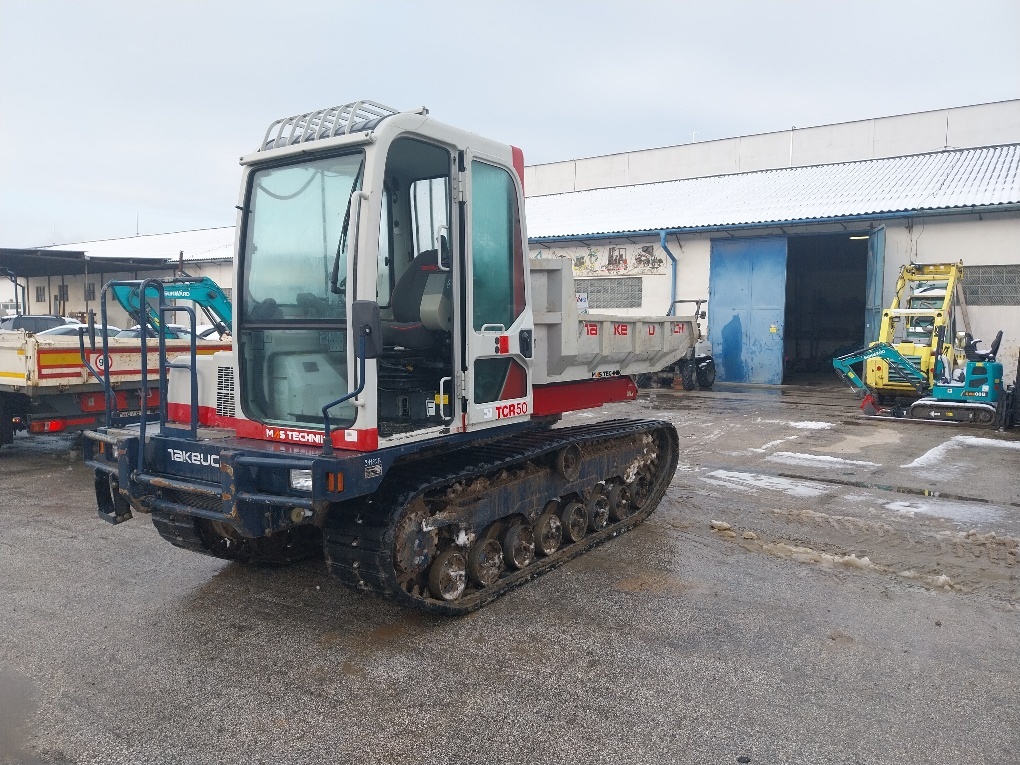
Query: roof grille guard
(326, 123)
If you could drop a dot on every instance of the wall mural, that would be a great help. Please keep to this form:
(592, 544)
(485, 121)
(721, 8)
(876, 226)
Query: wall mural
(615, 260)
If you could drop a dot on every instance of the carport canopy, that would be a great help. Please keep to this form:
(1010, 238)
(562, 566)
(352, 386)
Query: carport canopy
(25, 263)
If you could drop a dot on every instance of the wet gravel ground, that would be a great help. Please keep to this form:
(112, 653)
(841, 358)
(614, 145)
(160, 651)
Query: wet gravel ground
(836, 612)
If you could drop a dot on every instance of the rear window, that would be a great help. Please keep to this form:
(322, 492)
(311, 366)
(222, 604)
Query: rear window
(31, 323)
(39, 323)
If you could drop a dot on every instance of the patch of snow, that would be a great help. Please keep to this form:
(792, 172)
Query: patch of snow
(817, 460)
(752, 481)
(956, 511)
(937, 455)
(941, 581)
(810, 555)
(993, 442)
(801, 424)
(770, 444)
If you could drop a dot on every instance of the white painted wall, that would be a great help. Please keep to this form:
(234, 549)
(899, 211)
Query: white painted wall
(960, 127)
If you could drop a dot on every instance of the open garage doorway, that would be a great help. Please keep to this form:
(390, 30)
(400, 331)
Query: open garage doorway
(826, 298)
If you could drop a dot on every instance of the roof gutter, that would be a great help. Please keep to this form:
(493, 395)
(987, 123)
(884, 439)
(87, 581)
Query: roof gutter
(780, 223)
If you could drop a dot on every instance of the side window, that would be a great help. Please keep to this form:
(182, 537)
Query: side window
(496, 249)
(499, 379)
(429, 216)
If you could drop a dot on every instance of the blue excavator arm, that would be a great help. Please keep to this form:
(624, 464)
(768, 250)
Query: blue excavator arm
(892, 357)
(202, 291)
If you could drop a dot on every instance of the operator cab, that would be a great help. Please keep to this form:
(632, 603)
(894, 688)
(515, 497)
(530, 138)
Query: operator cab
(423, 220)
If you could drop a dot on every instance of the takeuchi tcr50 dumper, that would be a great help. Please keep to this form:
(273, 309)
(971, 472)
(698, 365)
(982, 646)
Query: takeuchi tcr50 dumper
(397, 367)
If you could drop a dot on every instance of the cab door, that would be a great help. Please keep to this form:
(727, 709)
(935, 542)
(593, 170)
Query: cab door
(497, 325)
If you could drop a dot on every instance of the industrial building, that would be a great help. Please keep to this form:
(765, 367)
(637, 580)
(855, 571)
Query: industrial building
(66, 280)
(794, 238)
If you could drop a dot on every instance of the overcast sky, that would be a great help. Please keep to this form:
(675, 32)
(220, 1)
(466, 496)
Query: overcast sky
(117, 111)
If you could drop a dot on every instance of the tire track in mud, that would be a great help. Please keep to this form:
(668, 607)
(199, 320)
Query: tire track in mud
(856, 533)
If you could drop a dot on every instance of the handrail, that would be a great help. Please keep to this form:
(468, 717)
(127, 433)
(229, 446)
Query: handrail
(327, 441)
(144, 320)
(165, 365)
(107, 391)
(147, 318)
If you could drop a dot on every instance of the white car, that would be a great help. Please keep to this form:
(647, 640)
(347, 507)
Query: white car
(72, 329)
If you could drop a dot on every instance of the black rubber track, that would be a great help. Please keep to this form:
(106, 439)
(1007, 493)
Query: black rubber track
(359, 541)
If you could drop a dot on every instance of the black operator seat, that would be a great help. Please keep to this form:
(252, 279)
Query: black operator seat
(973, 354)
(422, 304)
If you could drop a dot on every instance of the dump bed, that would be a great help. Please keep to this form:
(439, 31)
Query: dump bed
(573, 346)
(37, 365)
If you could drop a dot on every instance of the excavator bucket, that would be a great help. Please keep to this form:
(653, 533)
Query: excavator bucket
(869, 406)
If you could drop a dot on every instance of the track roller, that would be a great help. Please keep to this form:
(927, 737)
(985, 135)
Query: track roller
(448, 574)
(548, 530)
(519, 545)
(620, 505)
(574, 517)
(485, 561)
(598, 509)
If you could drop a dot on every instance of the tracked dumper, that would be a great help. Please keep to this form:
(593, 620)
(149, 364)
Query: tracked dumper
(397, 369)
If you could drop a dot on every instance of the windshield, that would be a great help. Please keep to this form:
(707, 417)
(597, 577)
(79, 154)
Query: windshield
(292, 343)
(294, 236)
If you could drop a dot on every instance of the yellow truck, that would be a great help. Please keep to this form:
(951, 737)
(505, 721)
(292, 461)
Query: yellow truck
(46, 388)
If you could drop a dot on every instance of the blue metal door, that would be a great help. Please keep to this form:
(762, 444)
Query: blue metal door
(746, 303)
(876, 282)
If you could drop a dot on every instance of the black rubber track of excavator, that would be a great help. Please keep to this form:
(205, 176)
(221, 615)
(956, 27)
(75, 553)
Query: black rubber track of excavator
(359, 542)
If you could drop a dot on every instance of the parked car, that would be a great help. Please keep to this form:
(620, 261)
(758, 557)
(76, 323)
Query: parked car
(136, 332)
(33, 324)
(72, 329)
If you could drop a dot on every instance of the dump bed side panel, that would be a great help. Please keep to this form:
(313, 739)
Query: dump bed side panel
(572, 346)
(30, 363)
(15, 360)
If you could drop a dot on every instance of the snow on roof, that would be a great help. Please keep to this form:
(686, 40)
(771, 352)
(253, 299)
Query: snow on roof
(200, 244)
(958, 178)
(937, 181)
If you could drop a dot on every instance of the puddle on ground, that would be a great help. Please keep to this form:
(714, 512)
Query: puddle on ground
(651, 584)
(16, 709)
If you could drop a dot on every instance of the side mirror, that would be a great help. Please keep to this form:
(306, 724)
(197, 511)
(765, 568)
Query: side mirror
(367, 323)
